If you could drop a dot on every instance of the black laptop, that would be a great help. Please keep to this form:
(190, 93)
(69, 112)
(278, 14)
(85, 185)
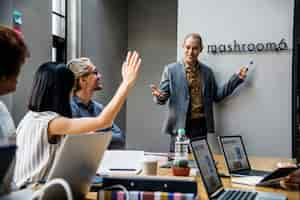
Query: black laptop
(212, 181)
(236, 157)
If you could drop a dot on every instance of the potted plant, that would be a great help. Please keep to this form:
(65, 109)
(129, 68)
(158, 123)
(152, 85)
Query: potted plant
(181, 168)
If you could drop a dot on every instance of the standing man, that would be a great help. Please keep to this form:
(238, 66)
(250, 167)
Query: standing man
(191, 89)
(87, 81)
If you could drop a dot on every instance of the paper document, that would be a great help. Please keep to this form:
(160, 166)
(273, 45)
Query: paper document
(121, 162)
(247, 180)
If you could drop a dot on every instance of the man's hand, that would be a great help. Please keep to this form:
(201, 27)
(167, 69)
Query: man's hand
(242, 73)
(286, 164)
(292, 181)
(156, 92)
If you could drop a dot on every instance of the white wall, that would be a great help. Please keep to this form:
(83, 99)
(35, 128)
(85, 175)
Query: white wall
(260, 110)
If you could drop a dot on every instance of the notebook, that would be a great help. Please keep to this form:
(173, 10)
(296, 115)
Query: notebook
(128, 162)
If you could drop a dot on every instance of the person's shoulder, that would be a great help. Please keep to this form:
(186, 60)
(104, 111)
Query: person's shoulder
(44, 116)
(97, 103)
(3, 107)
(205, 67)
(73, 103)
(4, 113)
(36, 119)
(173, 65)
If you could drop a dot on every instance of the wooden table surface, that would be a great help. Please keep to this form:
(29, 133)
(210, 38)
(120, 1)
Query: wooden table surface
(261, 163)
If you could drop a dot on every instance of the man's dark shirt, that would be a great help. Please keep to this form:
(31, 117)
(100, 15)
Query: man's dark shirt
(93, 109)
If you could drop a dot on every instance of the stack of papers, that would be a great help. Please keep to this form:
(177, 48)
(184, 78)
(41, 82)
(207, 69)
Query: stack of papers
(121, 162)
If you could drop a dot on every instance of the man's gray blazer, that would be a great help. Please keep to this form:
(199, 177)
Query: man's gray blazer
(174, 84)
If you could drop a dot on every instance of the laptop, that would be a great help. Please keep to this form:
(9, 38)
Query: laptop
(212, 182)
(76, 162)
(236, 157)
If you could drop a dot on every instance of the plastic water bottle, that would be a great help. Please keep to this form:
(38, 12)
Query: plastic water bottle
(181, 145)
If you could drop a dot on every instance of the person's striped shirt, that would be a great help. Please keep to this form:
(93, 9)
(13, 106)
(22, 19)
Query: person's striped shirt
(35, 154)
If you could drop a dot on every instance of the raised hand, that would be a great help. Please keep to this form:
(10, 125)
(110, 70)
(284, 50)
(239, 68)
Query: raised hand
(130, 68)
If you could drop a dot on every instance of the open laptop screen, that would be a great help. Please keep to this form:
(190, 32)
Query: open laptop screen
(234, 153)
(206, 165)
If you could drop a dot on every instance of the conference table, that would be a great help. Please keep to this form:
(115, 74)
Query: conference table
(260, 163)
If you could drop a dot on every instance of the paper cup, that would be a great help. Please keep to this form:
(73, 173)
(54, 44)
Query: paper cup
(150, 166)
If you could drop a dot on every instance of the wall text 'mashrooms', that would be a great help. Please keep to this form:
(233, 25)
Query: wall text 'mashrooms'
(237, 47)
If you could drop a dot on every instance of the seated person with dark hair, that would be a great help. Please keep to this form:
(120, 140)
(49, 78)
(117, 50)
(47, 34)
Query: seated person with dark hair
(48, 121)
(87, 81)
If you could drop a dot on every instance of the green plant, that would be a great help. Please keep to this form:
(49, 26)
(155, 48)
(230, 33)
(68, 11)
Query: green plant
(181, 163)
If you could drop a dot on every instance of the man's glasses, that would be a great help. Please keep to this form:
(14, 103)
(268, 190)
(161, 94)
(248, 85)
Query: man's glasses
(95, 72)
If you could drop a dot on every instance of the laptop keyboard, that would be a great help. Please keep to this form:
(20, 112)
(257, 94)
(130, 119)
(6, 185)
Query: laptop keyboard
(240, 195)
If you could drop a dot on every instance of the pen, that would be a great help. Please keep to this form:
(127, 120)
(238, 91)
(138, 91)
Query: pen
(118, 169)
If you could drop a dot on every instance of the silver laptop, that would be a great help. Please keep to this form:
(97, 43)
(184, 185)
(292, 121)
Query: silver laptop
(212, 182)
(76, 162)
(236, 157)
